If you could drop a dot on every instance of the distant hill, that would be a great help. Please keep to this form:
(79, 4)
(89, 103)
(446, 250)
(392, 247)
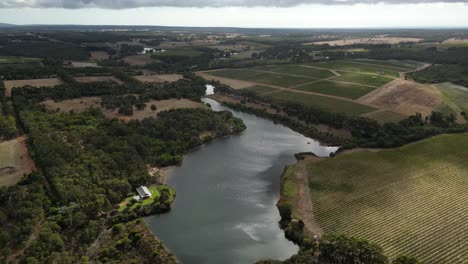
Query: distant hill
(6, 25)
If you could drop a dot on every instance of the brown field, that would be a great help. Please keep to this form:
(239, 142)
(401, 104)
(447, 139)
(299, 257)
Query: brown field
(82, 104)
(99, 55)
(34, 82)
(236, 84)
(456, 40)
(14, 161)
(159, 78)
(374, 40)
(90, 79)
(139, 60)
(404, 97)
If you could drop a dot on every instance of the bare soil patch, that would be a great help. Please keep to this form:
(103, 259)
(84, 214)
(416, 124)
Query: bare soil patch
(139, 60)
(84, 103)
(373, 40)
(173, 44)
(236, 84)
(15, 161)
(9, 85)
(456, 41)
(90, 79)
(159, 78)
(404, 97)
(99, 55)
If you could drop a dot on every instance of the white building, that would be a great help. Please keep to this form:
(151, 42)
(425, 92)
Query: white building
(143, 192)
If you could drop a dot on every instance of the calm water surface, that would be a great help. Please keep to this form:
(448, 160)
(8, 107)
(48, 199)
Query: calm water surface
(226, 194)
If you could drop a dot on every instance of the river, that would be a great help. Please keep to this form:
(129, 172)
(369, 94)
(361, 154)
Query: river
(225, 209)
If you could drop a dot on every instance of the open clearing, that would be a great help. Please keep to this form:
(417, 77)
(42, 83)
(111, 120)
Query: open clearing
(366, 79)
(90, 79)
(139, 60)
(33, 82)
(84, 103)
(15, 60)
(159, 78)
(410, 200)
(322, 102)
(384, 116)
(373, 40)
(14, 161)
(356, 66)
(99, 55)
(404, 97)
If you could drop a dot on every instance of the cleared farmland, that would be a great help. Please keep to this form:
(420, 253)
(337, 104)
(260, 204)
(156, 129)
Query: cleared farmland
(322, 102)
(346, 90)
(366, 79)
(410, 200)
(356, 67)
(259, 90)
(282, 80)
(14, 161)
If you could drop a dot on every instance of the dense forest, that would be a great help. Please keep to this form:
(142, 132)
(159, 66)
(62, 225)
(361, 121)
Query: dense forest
(456, 74)
(87, 165)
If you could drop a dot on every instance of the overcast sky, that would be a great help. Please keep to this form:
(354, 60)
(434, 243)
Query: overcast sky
(240, 13)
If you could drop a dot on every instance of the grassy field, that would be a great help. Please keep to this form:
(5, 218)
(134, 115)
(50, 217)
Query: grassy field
(356, 67)
(305, 71)
(400, 65)
(259, 90)
(410, 200)
(385, 116)
(346, 90)
(263, 77)
(14, 60)
(325, 103)
(367, 79)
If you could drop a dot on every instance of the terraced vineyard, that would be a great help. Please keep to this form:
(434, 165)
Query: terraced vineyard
(410, 200)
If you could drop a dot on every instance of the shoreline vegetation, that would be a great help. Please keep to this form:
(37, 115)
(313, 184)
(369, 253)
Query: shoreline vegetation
(87, 164)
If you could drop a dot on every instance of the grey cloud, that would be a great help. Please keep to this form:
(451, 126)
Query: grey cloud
(123, 4)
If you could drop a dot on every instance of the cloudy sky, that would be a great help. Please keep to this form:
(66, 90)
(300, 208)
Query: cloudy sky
(240, 13)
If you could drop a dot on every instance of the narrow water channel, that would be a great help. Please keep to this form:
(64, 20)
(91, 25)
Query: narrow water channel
(226, 194)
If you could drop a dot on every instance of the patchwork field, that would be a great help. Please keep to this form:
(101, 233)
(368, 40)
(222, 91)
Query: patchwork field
(368, 82)
(9, 85)
(84, 103)
(326, 103)
(410, 200)
(14, 161)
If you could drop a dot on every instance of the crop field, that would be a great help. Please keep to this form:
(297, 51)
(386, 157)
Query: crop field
(410, 200)
(366, 79)
(346, 90)
(259, 90)
(353, 66)
(263, 77)
(159, 78)
(399, 65)
(305, 71)
(325, 103)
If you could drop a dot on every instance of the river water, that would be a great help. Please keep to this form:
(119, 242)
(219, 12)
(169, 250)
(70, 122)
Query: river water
(225, 209)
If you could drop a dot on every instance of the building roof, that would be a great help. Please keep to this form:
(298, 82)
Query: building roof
(143, 191)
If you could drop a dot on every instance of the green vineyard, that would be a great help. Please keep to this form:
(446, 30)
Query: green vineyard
(411, 200)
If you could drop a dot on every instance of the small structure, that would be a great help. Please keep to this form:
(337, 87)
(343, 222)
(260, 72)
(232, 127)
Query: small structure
(143, 192)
